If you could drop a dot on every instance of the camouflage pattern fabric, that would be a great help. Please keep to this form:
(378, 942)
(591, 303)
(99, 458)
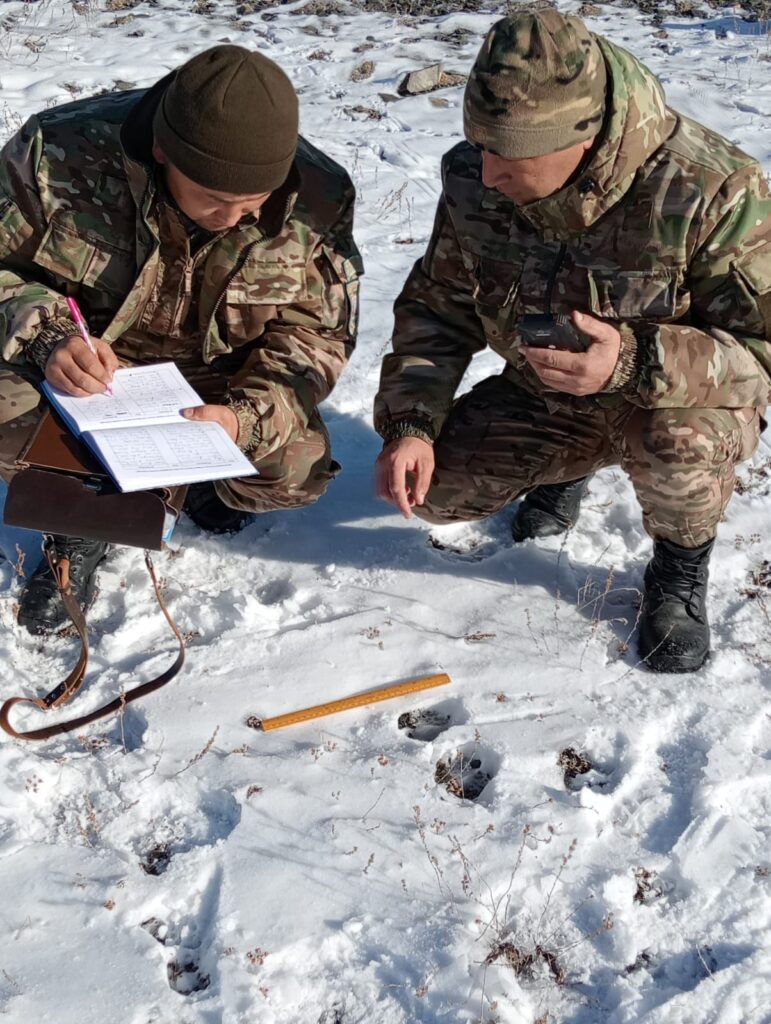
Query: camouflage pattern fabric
(19, 400)
(684, 261)
(290, 477)
(537, 86)
(500, 441)
(262, 317)
(666, 233)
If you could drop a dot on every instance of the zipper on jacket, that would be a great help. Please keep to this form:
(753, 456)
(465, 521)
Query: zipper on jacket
(182, 307)
(243, 257)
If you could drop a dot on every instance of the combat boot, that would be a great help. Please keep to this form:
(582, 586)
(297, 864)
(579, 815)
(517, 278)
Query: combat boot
(674, 629)
(548, 510)
(209, 511)
(41, 609)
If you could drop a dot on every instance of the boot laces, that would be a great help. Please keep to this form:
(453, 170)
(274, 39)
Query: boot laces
(76, 550)
(682, 579)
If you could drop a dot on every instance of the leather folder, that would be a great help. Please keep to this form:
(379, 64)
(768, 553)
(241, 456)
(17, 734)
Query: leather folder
(60, 487)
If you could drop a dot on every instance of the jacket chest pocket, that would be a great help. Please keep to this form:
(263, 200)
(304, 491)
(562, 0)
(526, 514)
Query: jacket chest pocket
(253, 296)
(496, 287)
(635, 295)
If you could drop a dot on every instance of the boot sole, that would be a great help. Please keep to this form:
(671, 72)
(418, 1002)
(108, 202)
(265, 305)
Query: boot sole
(674, 663)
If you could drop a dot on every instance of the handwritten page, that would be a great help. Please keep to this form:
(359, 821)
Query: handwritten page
(141, 395)
(168, 454)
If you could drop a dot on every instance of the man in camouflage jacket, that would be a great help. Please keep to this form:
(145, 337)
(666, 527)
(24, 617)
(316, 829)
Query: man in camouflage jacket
(191, 224)
(580, 193)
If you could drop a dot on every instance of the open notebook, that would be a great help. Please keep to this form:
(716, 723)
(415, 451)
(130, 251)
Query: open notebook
(141, 436)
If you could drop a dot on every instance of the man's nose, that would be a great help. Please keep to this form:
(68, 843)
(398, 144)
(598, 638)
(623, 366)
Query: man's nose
(492, 172)
(231, 216)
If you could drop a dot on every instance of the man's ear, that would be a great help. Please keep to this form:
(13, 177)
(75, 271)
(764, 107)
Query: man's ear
(158, 155)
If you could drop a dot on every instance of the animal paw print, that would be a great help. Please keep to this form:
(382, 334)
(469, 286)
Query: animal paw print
(464, 773)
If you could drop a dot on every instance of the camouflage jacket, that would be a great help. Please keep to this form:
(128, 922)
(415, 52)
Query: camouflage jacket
(267, 308)
(666, 233)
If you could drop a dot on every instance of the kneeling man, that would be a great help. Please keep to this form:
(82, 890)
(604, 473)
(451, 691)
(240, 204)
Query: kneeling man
(580, 197)
(193, 224)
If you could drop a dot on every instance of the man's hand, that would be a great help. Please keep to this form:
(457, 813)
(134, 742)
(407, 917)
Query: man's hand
(579, 373)
(406, 455)
(215, 414)
(73, 368)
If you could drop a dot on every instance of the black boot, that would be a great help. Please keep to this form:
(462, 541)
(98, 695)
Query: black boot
(674, 629)
(549, 509)
(209, 511)
(41, 609)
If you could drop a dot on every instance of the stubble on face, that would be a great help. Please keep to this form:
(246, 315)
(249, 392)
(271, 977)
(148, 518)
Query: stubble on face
(531, 178)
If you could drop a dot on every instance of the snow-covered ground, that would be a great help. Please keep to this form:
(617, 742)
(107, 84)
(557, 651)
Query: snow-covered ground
(177, 867)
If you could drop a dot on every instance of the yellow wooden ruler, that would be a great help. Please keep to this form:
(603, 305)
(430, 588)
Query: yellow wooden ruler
(357, 701)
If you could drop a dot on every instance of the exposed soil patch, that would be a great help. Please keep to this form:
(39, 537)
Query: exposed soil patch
(524, 964)
(362, 71)
(754, 479)
(572, 764)
(156, 859)
(426, 10)
(648, 887)
(759, 582)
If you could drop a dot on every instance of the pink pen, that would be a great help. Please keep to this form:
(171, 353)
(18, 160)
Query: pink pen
(77, 316)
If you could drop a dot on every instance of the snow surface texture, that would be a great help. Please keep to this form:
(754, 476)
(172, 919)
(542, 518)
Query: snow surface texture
(176, 867)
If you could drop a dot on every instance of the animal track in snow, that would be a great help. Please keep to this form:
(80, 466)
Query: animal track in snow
(277, 592)
(183, 971)
(682, 763)
(580, 773)
(334, 1015)
(425, 724)
(466, 772)
(189, 937)
(165, 836)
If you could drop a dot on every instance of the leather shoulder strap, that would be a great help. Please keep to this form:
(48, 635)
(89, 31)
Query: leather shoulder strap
(70, 686)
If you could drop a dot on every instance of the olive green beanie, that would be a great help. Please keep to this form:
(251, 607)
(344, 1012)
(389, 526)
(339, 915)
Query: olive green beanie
(538, 86)
(229, 121)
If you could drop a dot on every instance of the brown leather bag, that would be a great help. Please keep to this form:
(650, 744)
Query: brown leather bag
(60, 488)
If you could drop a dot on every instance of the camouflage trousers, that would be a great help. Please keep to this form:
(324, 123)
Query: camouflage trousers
(500, 441)
(291, 477)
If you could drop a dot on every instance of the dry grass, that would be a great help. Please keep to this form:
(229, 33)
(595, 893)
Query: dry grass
(362, 71)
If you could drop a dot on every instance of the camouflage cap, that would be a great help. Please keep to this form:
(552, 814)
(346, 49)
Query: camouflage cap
(537, 86)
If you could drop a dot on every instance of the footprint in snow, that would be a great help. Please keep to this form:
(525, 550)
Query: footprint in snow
(332, 1016)
(185, 976)
(425, 723)
(579, 772)
(466, 772)
(277, 592)
(156, 859)
(183, 970)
